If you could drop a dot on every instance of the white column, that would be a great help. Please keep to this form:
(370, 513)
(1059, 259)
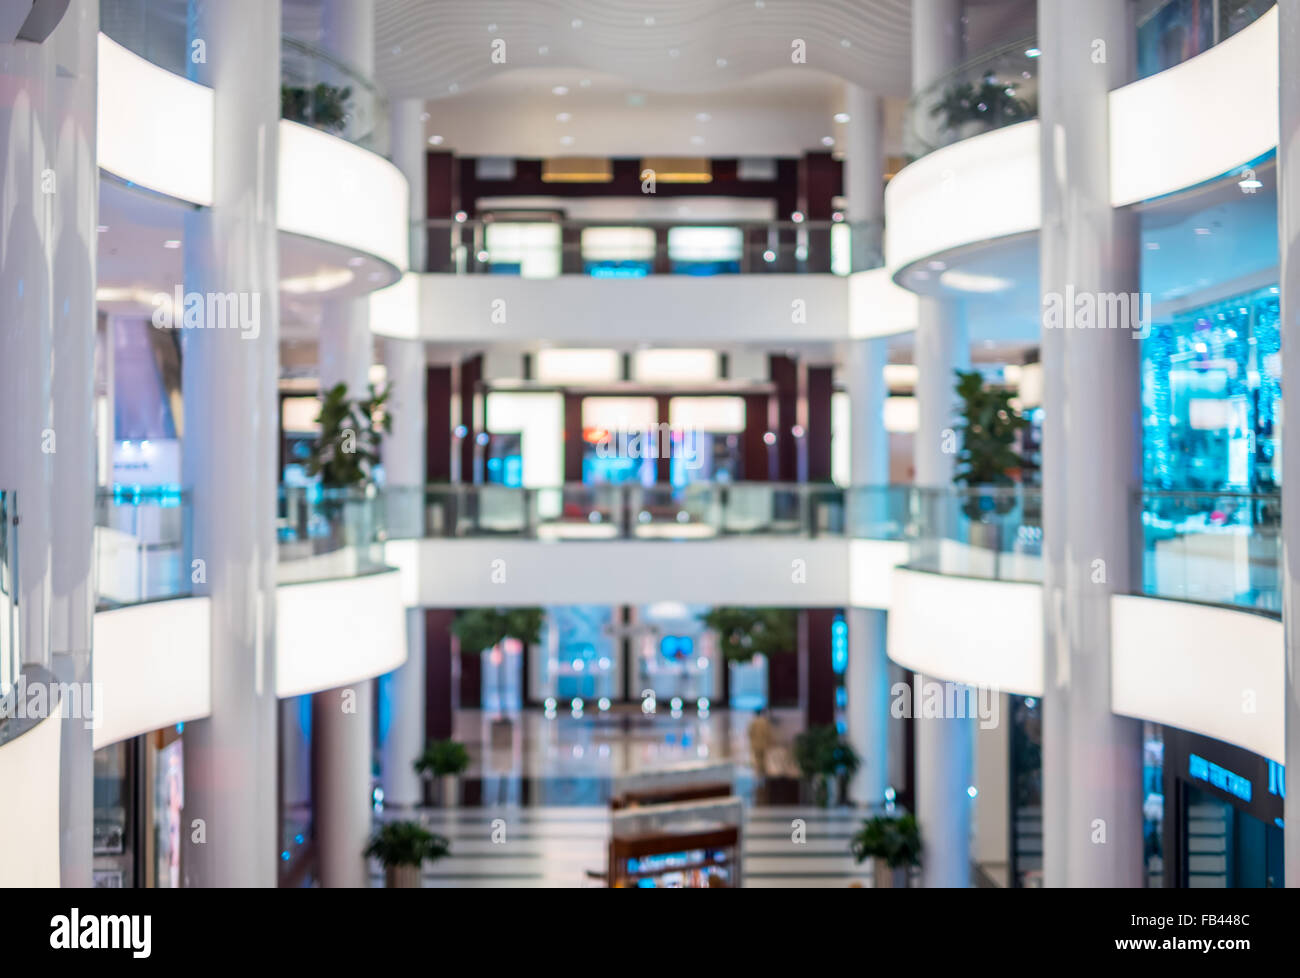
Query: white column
(230, 451)
(345, 349)
(343, 742)
(408, 148)
(936, 40)
(944, 753)
(1092, 759)
(1288, 225)
(867, 674)
(341, 723)
(403, 689)
(403, 692)
(943, 745)
(940, 348)
(47, 342)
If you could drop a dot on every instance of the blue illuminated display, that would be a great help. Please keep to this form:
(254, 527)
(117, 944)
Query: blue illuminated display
(1220, 777)
(1276, 779)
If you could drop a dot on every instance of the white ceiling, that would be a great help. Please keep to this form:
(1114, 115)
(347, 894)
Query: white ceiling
(539, 112)
(438, 48)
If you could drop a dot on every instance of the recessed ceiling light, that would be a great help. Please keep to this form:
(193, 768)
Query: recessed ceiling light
(936, 265)
(760, 4)
(841, 117)
(102, 228)
(702, 117)
(566, 140)
(559, 90)
(424, 117)
(673, 52)
(173, 244)
(1032, 53)
(435, 140)
(453, 88)
(1201, 230)
(697, 140)
(543, 50)
(356, 261)
(492, 28)
(972, 282)
(1153, 246)
(845, 42)
(576, 23)
(722, 62)
(562, 117)
(649, 22)
(585, 83)
(828, 140)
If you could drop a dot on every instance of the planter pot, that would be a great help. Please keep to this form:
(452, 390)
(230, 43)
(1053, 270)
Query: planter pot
(402, 877)
(441, 791)
(885, 878)
(501, 733)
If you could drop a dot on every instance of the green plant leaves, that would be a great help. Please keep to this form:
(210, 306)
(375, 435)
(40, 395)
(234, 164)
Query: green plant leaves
(894, 838)
(484, 628)
(742, 632)
(351, 431)
(406, 843)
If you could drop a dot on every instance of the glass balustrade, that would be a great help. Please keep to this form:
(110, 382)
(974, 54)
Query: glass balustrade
(328, 533)
(321, 91)
(156, 30)
(988, 532)
(1170, 32)
(142, 545)
(1219, 547)
(998, 88)
(549, 247)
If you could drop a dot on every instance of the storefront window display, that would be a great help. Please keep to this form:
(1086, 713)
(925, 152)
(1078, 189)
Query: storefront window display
(1211, 397)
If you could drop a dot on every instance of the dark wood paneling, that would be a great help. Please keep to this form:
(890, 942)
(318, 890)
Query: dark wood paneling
(818, 436)
(755, 456)
(438, 673)
(440, 201)
(784, 372)
(819, 698)
(471, 372)
(573, 443)
(437, 446)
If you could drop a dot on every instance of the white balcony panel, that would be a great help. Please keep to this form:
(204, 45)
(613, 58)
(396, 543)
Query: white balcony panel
(153, 667)
(1210, 670)
(871, 572)
(333, 190)
(475, 572)
(155, 128)
(981, 188)
(979, 632)
(683, 310)
(331, 633)
(1198, 120)
(29, 816)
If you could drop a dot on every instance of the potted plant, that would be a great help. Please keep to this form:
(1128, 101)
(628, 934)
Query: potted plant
(893, 843)
(990, 428)
(824, 756)
(442, 762)
(480, 629)
(744, 632)
(322, 106)
(402, 848)
(343, 455)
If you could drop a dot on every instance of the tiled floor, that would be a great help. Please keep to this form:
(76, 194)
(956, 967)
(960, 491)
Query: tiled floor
(535, 811)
